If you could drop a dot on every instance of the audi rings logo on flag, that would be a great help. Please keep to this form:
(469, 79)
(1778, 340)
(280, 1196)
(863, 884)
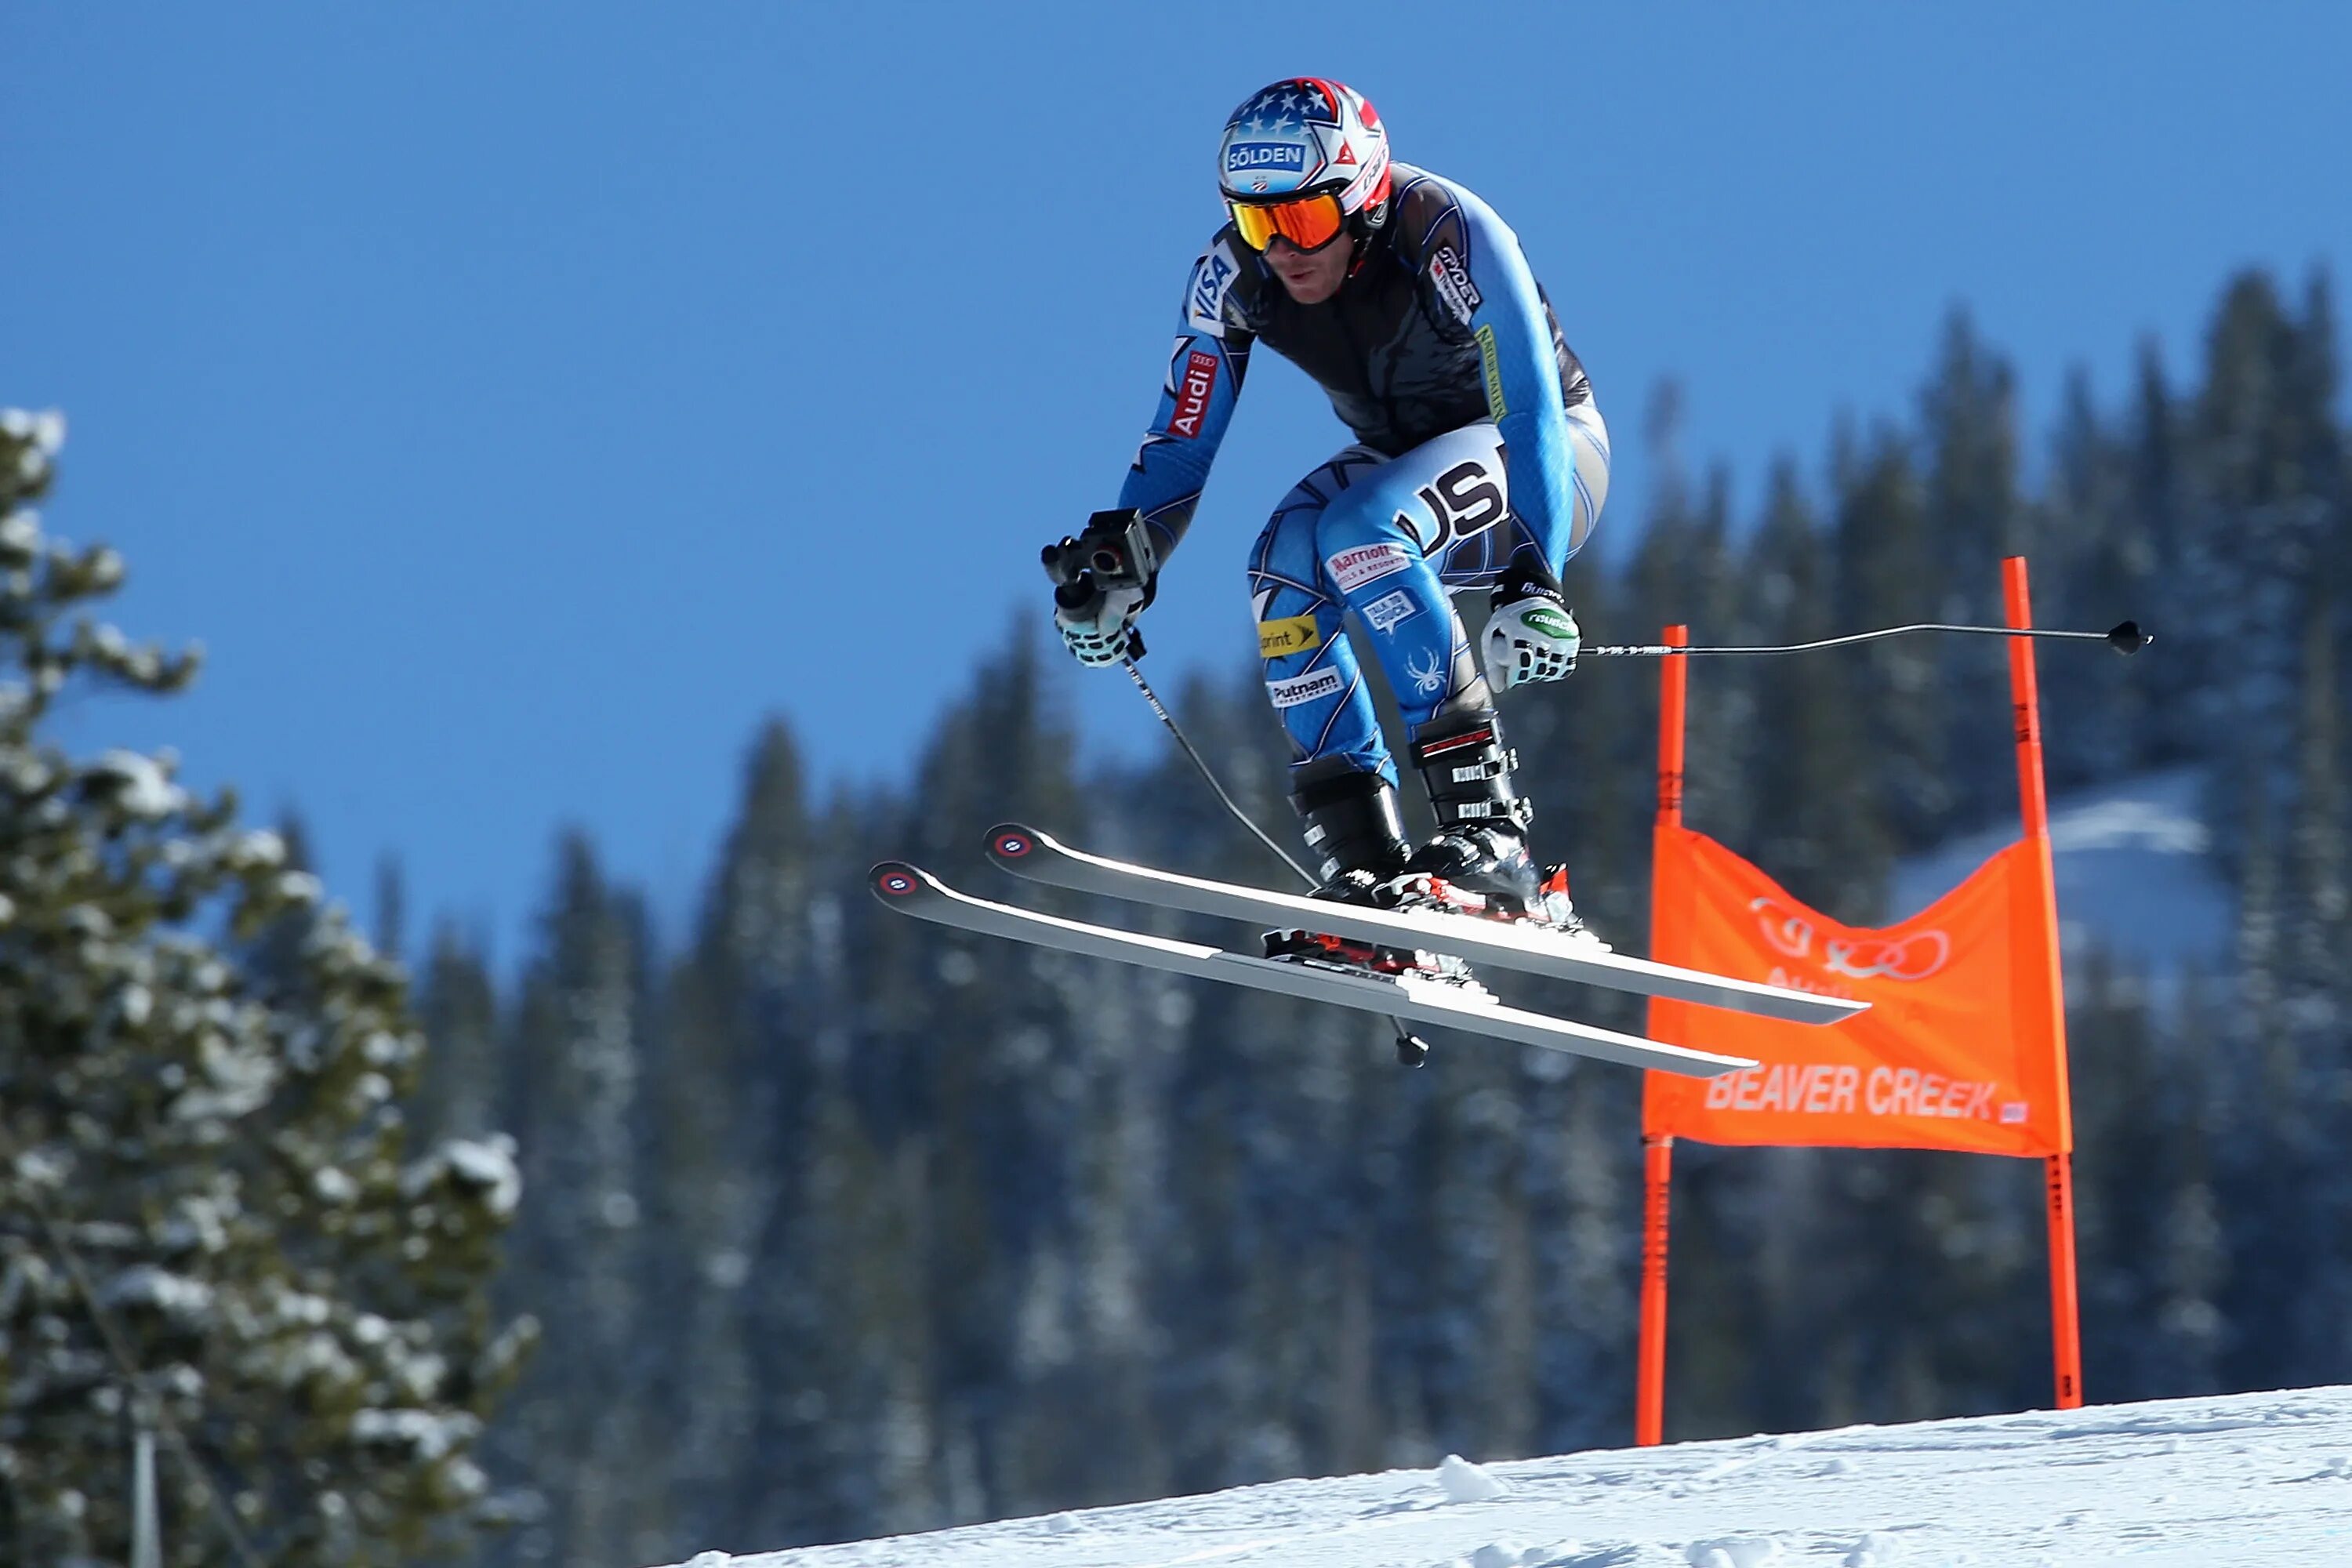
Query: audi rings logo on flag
(1912, 957)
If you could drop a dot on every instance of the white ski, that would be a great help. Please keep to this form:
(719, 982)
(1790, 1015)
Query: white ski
(913, 890)
(1025, 852)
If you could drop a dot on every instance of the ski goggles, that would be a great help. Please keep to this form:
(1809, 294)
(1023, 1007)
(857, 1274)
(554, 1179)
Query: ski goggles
(1309, 222)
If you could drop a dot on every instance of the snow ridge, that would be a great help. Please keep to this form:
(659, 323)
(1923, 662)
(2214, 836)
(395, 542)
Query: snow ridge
(2248, 1480)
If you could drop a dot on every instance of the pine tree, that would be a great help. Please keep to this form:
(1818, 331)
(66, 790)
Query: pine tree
(2315, 1003)
(1891, 571)
(2150, 1110)
(214, 1222)
(1813, 828)
(731, 1144)
(2097, 566)
(2261, 473)
(1975, 517)
(460, 1093)
(391, 921)
(581, 1035)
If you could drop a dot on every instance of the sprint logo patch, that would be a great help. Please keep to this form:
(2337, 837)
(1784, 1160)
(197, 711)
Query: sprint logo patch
(1292, 634)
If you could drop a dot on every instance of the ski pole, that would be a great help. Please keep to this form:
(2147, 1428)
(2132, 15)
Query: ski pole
(1411, 1050)
(2125, 637)
(1134, 652)
(1114, 548)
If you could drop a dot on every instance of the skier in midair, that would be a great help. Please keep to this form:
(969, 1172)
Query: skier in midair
(1479, 462)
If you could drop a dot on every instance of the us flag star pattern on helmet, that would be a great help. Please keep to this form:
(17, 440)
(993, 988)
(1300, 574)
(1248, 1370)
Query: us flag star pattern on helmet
(1307, 134)
(1286, 104)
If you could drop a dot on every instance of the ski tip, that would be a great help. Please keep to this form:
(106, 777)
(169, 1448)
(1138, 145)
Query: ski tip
(895, 881)
(1011, 841)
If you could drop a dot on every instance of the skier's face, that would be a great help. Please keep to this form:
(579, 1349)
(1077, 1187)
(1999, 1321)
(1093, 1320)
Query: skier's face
(1310, 276)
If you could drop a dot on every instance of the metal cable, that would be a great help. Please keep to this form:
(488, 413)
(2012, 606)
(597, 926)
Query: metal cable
(2126, 638)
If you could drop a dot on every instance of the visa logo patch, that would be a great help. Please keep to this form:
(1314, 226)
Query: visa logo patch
(1282, 156)
(1204, 302)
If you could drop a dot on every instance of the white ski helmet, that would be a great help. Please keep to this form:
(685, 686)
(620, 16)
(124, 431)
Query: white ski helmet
(1305, 136)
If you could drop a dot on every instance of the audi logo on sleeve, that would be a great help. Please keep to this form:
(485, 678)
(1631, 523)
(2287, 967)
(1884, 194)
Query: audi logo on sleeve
(1192, 389)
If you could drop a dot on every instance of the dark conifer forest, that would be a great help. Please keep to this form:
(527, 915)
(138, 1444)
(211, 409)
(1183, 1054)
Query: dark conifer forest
(840, 1224)
(836, 1224)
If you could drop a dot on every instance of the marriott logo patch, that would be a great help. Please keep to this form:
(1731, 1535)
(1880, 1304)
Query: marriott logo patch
(1351, 569)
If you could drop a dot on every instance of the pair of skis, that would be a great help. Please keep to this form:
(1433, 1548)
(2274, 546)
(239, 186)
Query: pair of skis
(1530, 949)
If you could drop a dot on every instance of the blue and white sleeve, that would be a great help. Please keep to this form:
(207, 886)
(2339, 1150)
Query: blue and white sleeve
(1491, 291)
(1196, 401)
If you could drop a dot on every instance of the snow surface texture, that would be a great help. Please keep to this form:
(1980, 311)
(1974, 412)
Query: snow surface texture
(2245, 1481)
(2134, 870)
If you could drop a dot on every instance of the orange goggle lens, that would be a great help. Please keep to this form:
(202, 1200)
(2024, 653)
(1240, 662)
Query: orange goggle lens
(1310, 223)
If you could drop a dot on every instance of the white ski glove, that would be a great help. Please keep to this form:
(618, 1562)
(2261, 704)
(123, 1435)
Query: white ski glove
(1531, 638)
(1103, 579)
(1097, 633)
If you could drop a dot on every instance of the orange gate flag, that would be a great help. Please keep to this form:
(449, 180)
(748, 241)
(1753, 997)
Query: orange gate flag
(1958, 1050)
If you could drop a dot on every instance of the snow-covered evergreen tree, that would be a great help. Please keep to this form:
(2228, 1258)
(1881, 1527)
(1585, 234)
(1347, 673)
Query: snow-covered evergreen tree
(211, 1220)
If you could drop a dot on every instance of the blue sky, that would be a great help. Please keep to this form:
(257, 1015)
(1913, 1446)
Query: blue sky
(520, 402)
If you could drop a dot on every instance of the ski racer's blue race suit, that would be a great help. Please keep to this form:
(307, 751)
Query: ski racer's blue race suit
(1478, 456)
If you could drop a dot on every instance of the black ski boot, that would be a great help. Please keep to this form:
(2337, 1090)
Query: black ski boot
(1481, 845)
(1352, 827)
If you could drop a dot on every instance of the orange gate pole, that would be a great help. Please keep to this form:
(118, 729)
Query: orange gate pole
(2066, 1321)
(1658, 1154)
(1650, 1368)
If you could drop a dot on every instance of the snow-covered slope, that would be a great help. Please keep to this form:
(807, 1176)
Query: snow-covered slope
(2237, 1482)
(2135, 869)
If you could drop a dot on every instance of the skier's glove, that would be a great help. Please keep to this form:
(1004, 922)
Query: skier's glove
(1532, 637)
(1097, 633)
(1102, 581)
